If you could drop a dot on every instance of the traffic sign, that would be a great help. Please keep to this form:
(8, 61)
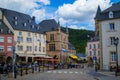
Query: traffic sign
(94, 58)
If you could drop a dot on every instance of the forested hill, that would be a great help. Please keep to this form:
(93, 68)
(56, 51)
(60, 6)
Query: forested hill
(79, 38)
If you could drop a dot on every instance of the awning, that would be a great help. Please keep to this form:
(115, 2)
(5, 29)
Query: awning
(21, 55)
(31, 55)
(74, 57)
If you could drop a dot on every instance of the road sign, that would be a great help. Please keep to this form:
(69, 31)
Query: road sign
(94, 58)
(64, 50)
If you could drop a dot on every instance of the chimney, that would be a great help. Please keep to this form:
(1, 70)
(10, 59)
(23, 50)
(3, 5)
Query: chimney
(33, 18)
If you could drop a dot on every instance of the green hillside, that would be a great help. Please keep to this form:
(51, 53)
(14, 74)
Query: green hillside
(79, 38)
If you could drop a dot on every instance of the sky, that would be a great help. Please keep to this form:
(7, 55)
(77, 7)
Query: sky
(76, 14)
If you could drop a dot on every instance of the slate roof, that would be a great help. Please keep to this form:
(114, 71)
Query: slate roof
(48, 25)
(114, 7)
(21, 19)
(94, 39)
(4, 28)
(104, 15)
(98, 13)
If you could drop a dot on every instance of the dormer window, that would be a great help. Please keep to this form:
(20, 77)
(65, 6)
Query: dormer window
(15, 17)
(29, 21)
(24, 24)
(1, 30)
(33, 26)
(15, 22)
(38, 28)
(9, 31)
(110, 14)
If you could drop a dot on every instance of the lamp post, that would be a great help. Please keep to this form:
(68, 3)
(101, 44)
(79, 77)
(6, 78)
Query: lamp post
(116, 42)
(13, 61)
(14, 58)
(26, 56)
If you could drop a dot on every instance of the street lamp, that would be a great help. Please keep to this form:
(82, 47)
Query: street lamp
(116, 42)
(14, 58)
(26, 56)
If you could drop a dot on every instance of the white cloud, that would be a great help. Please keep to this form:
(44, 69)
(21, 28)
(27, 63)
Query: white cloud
(81, 10)
(26, 6)
(39, 14)
(45, 1)
(77, 27)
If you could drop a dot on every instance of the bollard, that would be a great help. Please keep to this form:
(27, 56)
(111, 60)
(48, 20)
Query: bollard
(15, 75)
(32, 69)
(21, 70)
(95, 68)
(43, 68)
(39, 68)
(48, 67)
(15, 71)
(26, 70)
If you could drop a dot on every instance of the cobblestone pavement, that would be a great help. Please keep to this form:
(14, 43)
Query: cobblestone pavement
(62, 74)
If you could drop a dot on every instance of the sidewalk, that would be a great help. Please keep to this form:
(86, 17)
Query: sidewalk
(109, 75)
(102, 75)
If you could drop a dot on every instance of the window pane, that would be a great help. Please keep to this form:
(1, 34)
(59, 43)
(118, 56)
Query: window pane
(1, 48)
(20, 48)
(29, 39)
(20, 39)
(40, 49)
(52, 47)
(43, 49)
(35, 48)
(28, 33)
(113, 56)
(90, 46)
(9, 40)
(1, 39)
(112, 40)
(9, 48)
(112, 27)
(51, 37)
(20, 33)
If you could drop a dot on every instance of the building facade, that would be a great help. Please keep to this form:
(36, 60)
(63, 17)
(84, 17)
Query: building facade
(93, 50)
(6, 43)
(36, 41)
(29, 42)
(57, 40)
(109, 27)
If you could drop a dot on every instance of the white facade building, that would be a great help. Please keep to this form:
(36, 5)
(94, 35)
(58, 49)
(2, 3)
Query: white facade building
(107, 41)
(109, 27)
(93, 50)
